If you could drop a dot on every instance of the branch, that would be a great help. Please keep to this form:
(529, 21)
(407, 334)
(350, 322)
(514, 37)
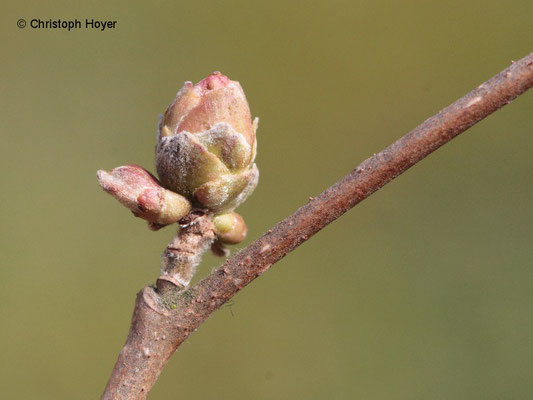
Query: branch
(156, 331)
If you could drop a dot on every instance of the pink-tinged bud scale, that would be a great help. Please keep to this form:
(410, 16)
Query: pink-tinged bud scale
(139, 191)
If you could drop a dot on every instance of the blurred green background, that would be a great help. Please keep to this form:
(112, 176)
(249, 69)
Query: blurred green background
(424, 291)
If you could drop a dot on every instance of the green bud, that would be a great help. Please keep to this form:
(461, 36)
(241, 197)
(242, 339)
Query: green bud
(230, 228)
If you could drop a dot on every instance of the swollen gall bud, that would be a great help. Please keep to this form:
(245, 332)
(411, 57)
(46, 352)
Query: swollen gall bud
(138, 190)
(206, 144)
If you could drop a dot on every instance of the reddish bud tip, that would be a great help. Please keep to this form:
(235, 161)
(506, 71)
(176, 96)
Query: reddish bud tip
(214, 81)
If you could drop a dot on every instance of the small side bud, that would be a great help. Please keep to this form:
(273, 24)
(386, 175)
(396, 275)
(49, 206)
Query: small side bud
(138, 190)
(230, 228)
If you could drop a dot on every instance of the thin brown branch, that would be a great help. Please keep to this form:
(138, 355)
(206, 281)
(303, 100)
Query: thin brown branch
(184, 252)
(157, 331)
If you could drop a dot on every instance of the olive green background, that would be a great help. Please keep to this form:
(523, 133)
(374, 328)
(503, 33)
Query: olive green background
(423, 291)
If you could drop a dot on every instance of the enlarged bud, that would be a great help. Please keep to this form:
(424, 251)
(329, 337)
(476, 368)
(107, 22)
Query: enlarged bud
(139, 191)
(206, 144)
(230, 228)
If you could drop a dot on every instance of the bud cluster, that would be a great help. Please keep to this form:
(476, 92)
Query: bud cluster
(206, 146)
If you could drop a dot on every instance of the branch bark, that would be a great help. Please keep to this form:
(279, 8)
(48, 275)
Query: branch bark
(157, 330)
